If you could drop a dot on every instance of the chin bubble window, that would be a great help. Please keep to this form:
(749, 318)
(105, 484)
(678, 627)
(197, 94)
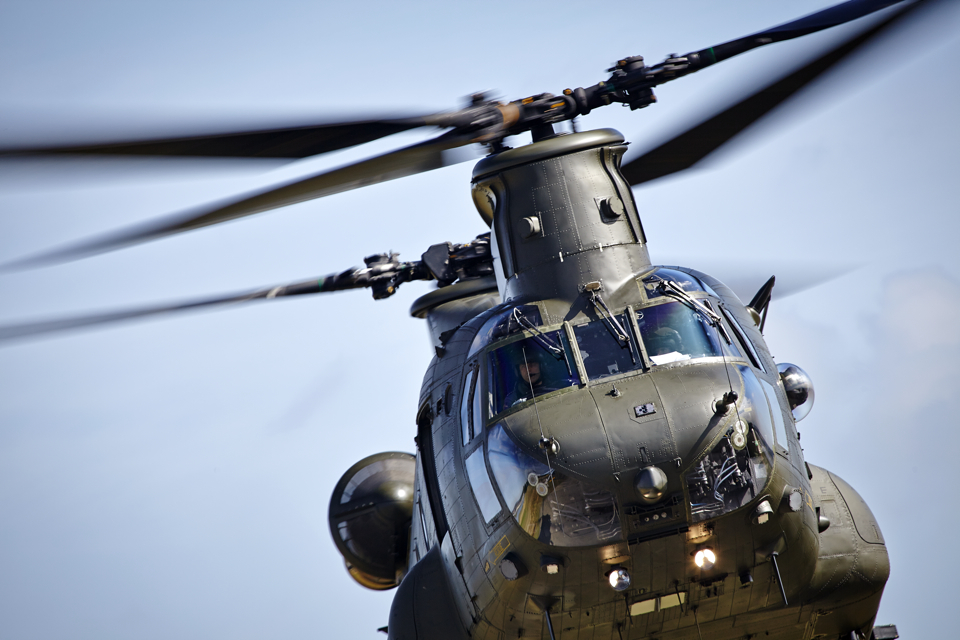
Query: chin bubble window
(553, 508)
(673, 332)
(528, 368)
(480, 484)
(736, 470)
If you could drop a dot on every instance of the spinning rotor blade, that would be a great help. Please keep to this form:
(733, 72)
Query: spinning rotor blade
(468, 266)
(286, 142)
(12, 332)
(383, 274)
(693, 145)
(745, 276)
(489, 122)
(425, 156)
(829, 17)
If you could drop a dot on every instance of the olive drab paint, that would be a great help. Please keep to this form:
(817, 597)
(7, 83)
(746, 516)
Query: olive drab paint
(643, 448)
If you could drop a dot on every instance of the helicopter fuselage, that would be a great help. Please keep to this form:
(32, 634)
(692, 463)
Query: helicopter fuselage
(606, 448)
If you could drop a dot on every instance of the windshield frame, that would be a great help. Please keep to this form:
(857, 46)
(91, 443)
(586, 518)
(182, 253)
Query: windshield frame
(567, 333)
(724, 352)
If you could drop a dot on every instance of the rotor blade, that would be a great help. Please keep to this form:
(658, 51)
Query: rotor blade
(12, 332)
(426, 156)
(284, 142)
(744, 277)
(792, 277)
(693, 145)
(350, 279)
(829, 17)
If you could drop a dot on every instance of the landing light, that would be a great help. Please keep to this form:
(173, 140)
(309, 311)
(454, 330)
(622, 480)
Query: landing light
(705, 558)
(619, 579)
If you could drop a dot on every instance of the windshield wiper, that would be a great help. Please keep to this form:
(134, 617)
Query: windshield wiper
(542, 339)
(594, 288)
(670, 288)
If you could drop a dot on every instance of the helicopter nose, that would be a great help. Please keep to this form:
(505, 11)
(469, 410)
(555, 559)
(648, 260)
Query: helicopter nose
(572, 426)
(632, 438)
(654, 423)
(610, 461)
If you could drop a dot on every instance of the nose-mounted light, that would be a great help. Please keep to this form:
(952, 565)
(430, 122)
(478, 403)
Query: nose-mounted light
(650, 484)
(619, 579)
(705, 558)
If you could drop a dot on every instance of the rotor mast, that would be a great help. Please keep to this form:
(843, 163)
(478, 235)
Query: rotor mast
(562, 216)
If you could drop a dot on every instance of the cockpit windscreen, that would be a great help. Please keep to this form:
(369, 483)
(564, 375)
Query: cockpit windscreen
(604, 352)
(528, 368)
(673, 332)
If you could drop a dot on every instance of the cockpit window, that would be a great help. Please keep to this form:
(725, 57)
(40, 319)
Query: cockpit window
(604, 353)
(504, 323)
(651, 283)
(673, 331)
(528, 368)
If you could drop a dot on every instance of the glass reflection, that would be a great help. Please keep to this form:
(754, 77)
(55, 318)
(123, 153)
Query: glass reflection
(753, 409)
(465, 408)
(553, 508)
(673, 331)
(480, 483)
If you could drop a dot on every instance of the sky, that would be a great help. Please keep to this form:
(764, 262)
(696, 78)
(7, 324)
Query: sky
(170, 478)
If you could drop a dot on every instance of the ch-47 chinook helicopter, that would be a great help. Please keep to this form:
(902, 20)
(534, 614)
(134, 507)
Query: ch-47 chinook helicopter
(605, 446)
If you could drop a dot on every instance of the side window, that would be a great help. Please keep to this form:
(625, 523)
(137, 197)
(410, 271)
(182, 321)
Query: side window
(731, 348)
(471, 425)
(427, 458)
(742, 337)
(476, 412)
(468, 393)
(777, 411)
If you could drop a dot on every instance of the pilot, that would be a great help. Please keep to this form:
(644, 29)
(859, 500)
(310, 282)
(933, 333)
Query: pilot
(662, 341)
(529, 378)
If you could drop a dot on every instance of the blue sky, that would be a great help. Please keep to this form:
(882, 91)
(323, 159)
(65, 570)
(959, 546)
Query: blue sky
(170, 478)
